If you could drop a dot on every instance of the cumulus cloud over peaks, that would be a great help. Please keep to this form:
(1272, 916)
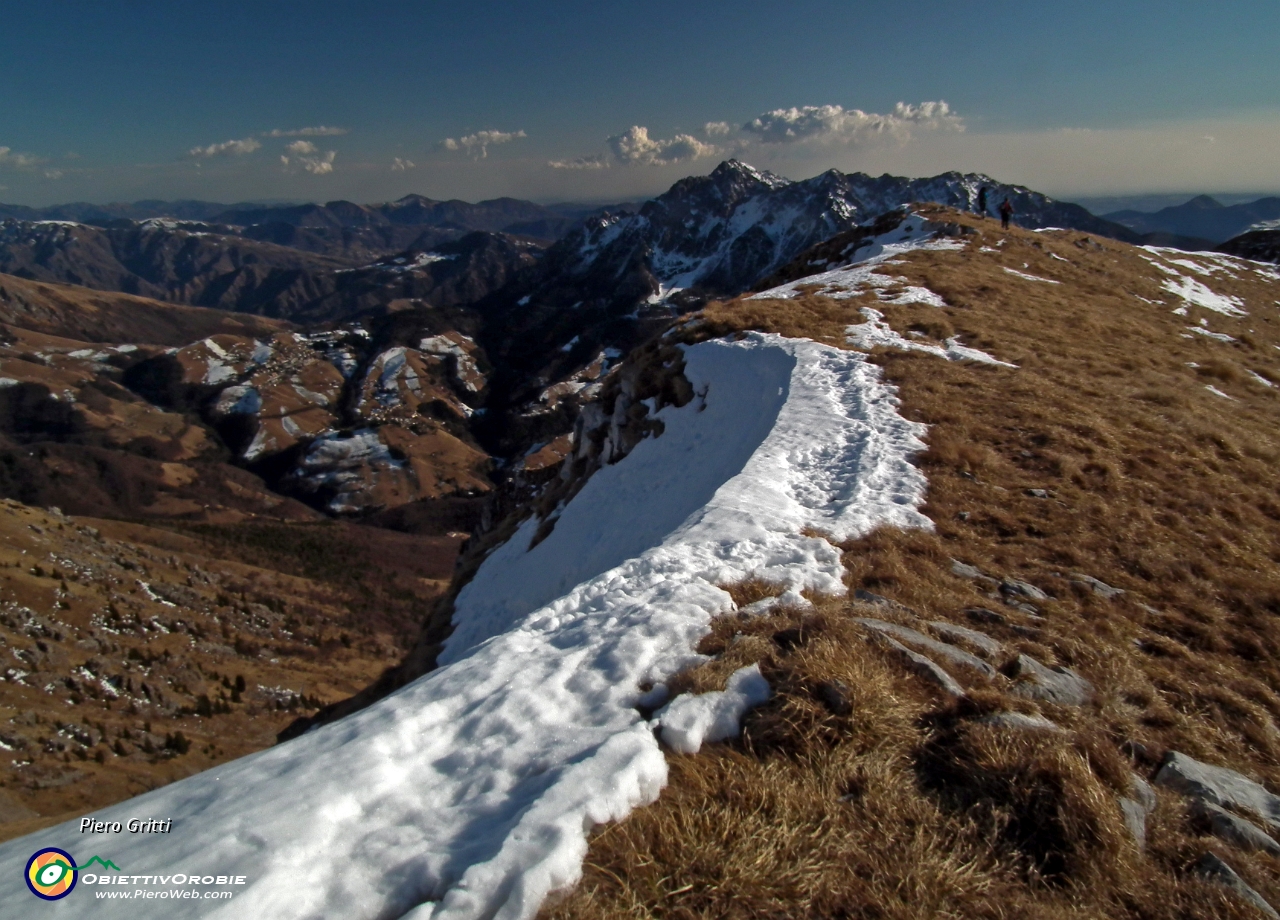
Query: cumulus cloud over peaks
(317, 131)
(478, 144)
(716, 128)
(852, 126)
(318, 165)
(400, 165)
(636, 148)
(226, 148)
(18, 160)
(299, 148)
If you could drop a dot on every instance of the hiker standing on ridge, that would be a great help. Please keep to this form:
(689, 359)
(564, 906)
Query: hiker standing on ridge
(982, 201)
(1006, 211)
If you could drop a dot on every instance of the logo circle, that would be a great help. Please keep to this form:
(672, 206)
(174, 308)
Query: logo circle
(51, 873)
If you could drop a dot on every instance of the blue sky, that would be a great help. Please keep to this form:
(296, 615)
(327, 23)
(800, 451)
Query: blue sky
(110, 101)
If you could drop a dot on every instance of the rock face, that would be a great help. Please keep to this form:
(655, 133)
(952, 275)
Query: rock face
(1219, 786)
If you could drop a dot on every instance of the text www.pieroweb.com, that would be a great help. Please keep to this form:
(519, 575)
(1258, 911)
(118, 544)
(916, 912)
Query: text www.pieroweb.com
(171, 894)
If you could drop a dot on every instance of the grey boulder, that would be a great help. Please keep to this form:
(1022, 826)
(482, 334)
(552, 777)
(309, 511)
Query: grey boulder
(1219, 786)
(1054, 685)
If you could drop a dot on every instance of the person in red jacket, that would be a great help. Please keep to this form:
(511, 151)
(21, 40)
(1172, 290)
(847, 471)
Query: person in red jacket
(1006, 211)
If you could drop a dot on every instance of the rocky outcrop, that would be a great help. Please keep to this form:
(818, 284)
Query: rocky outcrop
(1218, 786)
(1211, 868)
(1053, 685)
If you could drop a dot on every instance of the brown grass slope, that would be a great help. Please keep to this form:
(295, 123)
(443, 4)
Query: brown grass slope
(135, 656)
(74, 312)
(861, 791)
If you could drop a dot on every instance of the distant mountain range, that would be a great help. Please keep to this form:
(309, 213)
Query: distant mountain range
(510, 215)
(608, 278)
(1202, 217)
(208, 265)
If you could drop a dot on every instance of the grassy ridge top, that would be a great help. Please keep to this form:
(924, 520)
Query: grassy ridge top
(1127, 446)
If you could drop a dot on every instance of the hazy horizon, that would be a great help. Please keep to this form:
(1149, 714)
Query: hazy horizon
(572, 101)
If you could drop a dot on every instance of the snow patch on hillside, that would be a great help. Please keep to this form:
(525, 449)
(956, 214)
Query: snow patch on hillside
(876, 332)
(1195, 293)
(469, 792)
(1028, 277)
(859, 276)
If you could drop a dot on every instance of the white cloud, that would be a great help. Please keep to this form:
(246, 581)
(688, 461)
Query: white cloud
(716, 128)
(595, 161)
(317, 131)
(53, 174)
(18, 160)
(318, 165)
(834, 123)
(399, 165)
(300, 148)
(636, 148)
(478, 144)
(226, 148)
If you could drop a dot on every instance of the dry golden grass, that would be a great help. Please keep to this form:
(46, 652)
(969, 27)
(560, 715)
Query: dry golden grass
(906, 805)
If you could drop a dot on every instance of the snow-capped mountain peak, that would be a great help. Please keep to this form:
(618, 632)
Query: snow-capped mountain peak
(725, 231)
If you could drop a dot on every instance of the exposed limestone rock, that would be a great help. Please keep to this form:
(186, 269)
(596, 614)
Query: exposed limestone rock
(964, 570)
(1139, 803)
(879, 600)
(1100, 588)
(926, 668)
(983, 615)
(1055, 685)
(1020, 721)
(1219, 786)
(1213, 869)
(1020, 589)
(954, 633)
(1233, 829)
(952, 654)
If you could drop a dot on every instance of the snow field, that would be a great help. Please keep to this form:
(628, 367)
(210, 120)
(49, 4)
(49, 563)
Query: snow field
(468, 793)
(860, 275)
